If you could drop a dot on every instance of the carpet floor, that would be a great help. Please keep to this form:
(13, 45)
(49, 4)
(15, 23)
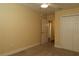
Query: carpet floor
(46, 50)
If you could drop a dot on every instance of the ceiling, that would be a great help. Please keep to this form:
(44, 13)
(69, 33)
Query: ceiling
(52, 7)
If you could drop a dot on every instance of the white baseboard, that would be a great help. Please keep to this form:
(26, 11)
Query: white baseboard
(18, 50)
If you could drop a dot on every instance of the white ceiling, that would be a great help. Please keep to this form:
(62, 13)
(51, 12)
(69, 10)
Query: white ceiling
(52, 7)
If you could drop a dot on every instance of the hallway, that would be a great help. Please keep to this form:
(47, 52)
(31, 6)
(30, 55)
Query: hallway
(46, 50)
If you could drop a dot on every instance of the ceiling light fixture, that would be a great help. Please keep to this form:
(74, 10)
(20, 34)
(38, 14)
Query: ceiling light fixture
(44, 5)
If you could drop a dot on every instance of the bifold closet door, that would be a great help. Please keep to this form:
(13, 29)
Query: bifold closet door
(76, 34)
(66, 32)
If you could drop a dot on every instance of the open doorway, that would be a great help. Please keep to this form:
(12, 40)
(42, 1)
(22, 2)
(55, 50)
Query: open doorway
(51, 38)
(47, 21)
(48, 29)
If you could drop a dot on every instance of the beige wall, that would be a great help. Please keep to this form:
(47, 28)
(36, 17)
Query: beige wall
(58, 14)
(19, 27)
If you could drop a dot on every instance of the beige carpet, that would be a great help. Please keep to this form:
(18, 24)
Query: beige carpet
(46, 50)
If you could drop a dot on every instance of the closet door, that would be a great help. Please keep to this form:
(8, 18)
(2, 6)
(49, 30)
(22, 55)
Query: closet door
(66, 32)
(76, 34)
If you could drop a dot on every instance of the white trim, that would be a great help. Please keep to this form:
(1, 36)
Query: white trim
(18, 50)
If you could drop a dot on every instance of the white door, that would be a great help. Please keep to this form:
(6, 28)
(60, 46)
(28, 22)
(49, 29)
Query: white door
(69, 32)
(76, 34)
(44, 31)
(66, 32)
